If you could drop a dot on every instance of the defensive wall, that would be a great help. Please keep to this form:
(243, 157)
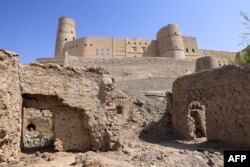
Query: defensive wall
(169, 43)
(211, 62)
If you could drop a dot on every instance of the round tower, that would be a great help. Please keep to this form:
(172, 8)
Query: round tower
(66, 32)
(169, 42)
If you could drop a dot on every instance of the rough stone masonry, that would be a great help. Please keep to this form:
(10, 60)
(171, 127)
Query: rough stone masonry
(82, 101)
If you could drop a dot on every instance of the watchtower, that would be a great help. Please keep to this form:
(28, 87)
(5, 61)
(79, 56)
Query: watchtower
(169, 42)
(66, 32)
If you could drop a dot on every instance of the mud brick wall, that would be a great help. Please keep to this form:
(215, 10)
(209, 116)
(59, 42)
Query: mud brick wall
(10, 109)
(224, 94)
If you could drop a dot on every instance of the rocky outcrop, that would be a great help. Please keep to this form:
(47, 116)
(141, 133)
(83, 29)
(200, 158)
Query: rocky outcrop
(213, 104)
(82, 103)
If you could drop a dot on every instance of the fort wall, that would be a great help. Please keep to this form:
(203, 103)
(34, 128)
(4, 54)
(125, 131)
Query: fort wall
(111, 47)
(136, 68)
(211, 62)
(190, 46)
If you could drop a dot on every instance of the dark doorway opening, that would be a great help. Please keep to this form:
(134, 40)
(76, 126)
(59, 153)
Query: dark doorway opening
(119, 109)
(197, 118)
(37, 124)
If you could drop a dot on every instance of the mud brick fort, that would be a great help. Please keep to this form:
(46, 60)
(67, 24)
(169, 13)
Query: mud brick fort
(169, 44)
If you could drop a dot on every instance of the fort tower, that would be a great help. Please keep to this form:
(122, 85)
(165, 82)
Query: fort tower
(169, 42)
(66, 32)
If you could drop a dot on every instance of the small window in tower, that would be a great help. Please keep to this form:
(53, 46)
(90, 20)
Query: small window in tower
(91, 44)
(135, 43)
(65, 39)
(73, 46)
(60, 30)
(134, 49)
(85, 44)
(129, 43)
(186, 49)
(193, 50)
(76, 45)
(72, 32)
(146, 43)
(74, 38)
(140, 43)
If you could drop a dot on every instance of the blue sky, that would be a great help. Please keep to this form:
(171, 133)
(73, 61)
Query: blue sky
(29, 27)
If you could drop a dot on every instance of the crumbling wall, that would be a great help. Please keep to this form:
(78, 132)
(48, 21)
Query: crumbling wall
(82, 103)
(66, 124)
(10, 109)
(81, 90)
(222, 94)
(124, 106)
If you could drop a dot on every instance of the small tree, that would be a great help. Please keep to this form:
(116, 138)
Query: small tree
(244, 59)
(245, 36)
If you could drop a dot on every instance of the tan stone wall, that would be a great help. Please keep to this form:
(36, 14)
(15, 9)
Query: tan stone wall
(119, 47)
(10, 109)
(135, 47)
(216, 53)
(136, 68)
(223, 93)
(211, 62)
(110, 47)
(56, 60)
(82, 102)
(190, 45)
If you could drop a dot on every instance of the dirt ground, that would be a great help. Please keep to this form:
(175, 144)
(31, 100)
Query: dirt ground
(146, 141)
(135, 152)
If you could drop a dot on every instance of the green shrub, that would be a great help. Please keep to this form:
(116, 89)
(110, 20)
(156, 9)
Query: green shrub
(243, 60)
